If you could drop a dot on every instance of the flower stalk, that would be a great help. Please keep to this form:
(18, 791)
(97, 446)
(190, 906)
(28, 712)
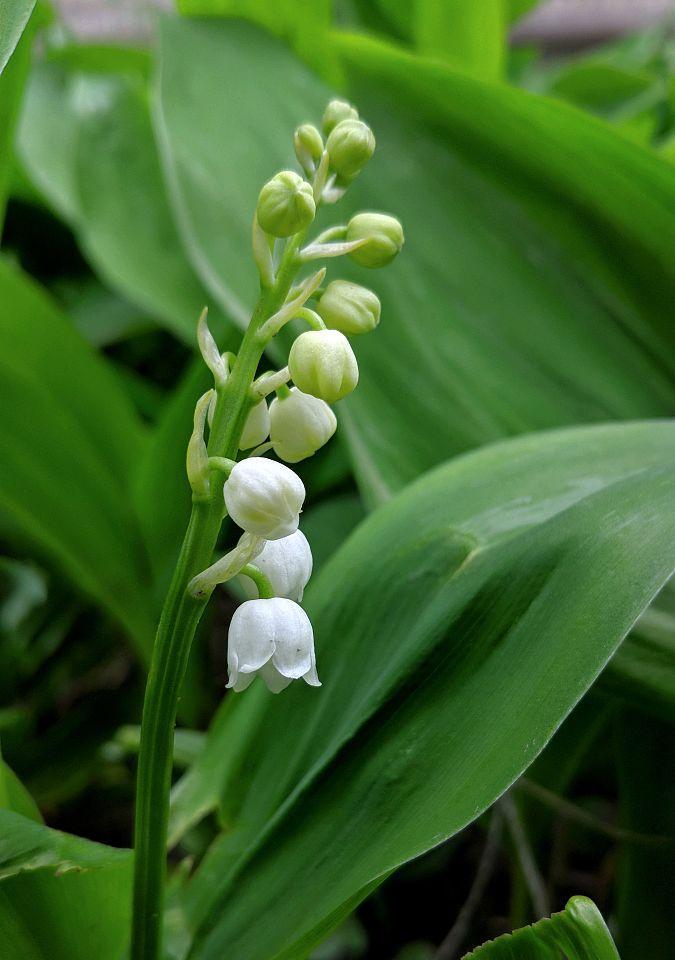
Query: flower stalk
(271, 635)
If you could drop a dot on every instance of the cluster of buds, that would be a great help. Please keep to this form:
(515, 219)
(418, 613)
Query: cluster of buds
(271, 634)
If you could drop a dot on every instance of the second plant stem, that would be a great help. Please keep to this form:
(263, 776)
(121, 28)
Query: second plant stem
(177, 626)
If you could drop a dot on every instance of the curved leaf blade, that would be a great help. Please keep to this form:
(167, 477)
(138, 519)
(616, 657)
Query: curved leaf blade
(81, 892)
(455, 630)
(15, 15)
(576, 933)
(100, 170)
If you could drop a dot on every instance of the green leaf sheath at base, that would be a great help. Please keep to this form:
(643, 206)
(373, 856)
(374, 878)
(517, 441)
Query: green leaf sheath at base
(473, 612)
(68, 444)
(61, 898)
(576, 933)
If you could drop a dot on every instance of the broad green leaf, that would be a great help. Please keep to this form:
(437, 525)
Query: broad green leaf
(576, 933)
(12, 80)
(215, 167)
(535, 284)
(100, 170)
(14, 796)
(642, 672)
(456, 628)
(470, 36)
(521, 292)
(61, 898)
(14, 15)
(328, 524)
(69, 444)
(303, 23)
(646, 925)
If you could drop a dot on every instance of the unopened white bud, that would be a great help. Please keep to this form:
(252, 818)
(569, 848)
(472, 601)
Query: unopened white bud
(264, 498)
(273, 638)
(350, 146)
(287, 564)
(308, 145)
(285, 205)
(349, 307)
(257, 427)
(384, 235)
(299, 425)
(335, 112)
(321, 362)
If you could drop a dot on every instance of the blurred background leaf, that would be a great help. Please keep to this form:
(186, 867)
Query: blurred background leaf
(99, 169)
(65, 487)
(79, 890)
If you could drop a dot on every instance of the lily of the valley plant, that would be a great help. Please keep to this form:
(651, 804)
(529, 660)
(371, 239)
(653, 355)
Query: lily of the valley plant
(230, 474)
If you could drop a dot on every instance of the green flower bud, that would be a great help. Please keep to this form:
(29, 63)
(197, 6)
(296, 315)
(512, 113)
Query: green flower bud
(308, 145)
(383, 233)
(336, 111)
(349, 307)
(285, 205)
(350, 146)
(299, 425)
(322, 363)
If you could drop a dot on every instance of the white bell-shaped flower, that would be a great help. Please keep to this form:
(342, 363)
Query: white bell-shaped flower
(273, 638)
(264, 498)
(299, 425)
(287, 564)
(256, 428)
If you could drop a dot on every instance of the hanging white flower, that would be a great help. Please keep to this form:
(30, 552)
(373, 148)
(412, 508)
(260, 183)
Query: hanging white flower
(287, 564)
(299, 425)
(273, 638)
(264, 497)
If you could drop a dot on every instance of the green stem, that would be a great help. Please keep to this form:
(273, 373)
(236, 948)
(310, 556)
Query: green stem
(263, 585)
(177, 626)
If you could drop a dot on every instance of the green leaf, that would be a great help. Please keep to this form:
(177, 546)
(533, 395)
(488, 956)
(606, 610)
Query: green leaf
(61, 898)
(455, 630)
(470, 36)
(69, 444)
(329, 523)
(303, 24)
(525, 268)
(576, 933)
(215, 167)
(518, 8)
(12, 80)
(14, 796)
(642, 672)
(14, 15)
(647, 806)
(535, 284)
(100, 170)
